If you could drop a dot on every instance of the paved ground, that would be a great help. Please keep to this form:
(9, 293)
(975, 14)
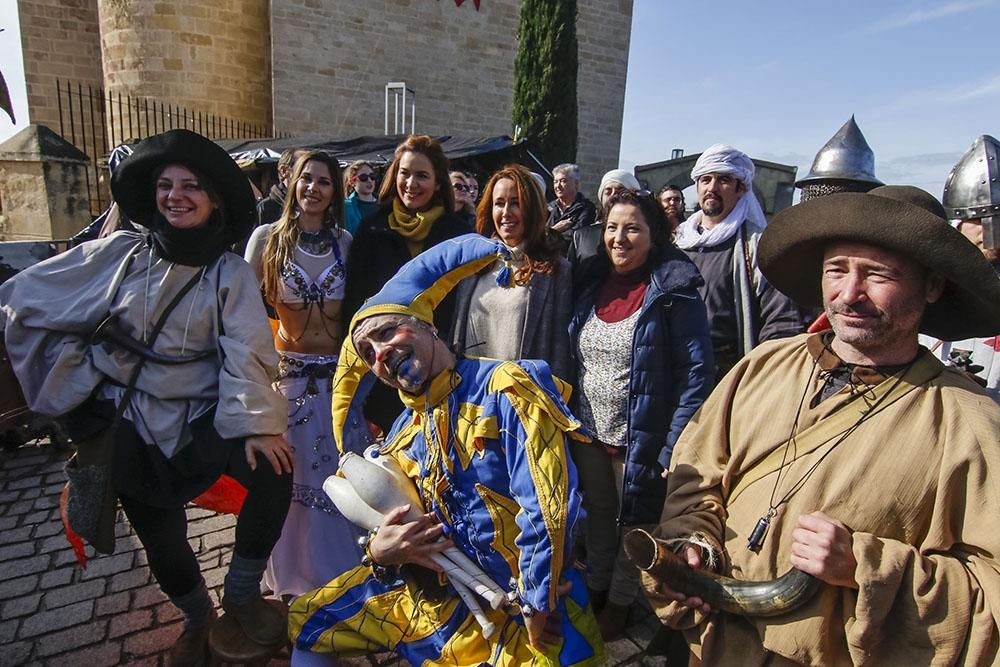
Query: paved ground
(54, 613)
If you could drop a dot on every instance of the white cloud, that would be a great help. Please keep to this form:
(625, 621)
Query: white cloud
(980, 89)
(939, 97)
(917, 16)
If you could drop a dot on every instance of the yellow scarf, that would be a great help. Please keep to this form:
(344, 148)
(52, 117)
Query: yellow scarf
(414, 227)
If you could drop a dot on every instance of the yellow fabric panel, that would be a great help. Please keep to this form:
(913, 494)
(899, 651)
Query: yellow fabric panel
(425, 302)
(515, 650)
(544, 425)
(442, 429)
(512, 378)
(467, 646)
(305, 606)
(401, 614)
(436, 392)
(547, 461)
(518, 652)
(565, 389)
(400, 443)
(470, 431)
(503, 511)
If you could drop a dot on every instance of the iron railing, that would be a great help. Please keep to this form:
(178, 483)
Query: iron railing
(95, 121)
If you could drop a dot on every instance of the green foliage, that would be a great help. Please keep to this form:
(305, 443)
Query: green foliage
(545, 79)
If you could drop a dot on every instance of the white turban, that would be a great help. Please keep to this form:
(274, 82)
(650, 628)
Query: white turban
(621, 177)
(723, 159)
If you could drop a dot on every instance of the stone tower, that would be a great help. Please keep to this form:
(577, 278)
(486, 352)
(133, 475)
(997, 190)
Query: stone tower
(206, 55)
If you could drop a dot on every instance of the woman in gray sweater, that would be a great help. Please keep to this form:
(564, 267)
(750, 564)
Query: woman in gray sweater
(521, 310)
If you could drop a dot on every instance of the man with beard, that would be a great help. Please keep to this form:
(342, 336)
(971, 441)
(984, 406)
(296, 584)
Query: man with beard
(485, 442)
(853, 455)
(570, 210)
(671, 199)
(721, 239)
(972, 200)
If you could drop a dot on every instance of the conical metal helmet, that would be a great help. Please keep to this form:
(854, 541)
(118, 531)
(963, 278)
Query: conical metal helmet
(973, 186)
(846, 157)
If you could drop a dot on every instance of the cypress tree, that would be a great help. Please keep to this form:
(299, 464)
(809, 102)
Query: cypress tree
(545, 79)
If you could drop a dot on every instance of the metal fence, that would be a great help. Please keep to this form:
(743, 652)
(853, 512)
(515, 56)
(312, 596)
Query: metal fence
(95, 121)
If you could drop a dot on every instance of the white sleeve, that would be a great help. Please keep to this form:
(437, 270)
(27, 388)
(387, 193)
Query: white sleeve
(254, 254)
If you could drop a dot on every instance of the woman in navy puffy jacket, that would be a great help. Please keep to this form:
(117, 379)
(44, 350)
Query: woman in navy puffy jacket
(644, 358)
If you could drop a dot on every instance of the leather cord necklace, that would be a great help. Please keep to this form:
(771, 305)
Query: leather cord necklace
(759, 532)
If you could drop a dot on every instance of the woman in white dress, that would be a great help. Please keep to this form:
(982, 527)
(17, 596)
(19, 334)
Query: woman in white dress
(299, 261)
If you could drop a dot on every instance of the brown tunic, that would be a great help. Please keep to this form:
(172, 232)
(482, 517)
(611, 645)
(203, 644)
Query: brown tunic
(917, 484)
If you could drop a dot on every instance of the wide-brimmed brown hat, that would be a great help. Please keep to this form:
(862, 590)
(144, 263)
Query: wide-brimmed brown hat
(900, 218)
(133, 188)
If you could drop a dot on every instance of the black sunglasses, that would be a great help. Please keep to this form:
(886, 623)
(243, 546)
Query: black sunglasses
(364, 178)
(460, 187)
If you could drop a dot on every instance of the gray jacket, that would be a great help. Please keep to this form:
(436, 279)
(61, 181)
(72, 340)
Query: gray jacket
(546, 324)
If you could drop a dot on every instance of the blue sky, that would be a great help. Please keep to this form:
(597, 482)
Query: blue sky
(777, 79)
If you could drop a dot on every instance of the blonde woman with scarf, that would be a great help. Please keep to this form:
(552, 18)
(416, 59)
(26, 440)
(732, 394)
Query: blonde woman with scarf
(416, 212)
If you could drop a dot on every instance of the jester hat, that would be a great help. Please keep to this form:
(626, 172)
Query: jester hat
(416, 290)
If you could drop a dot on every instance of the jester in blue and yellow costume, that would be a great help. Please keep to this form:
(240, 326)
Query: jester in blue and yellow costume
(485, 442)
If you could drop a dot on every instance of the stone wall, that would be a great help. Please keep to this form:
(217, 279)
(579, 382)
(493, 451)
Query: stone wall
(331, 62)
(59, 39)
(603, 31)
(42, 200)
(210, 56)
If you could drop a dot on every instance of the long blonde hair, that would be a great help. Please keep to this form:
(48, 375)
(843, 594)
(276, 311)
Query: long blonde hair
(284, 236)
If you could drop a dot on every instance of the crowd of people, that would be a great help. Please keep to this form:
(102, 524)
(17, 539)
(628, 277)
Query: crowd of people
(550, 375)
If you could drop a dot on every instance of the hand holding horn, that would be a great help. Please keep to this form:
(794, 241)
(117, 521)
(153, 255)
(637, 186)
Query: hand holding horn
(745, 598)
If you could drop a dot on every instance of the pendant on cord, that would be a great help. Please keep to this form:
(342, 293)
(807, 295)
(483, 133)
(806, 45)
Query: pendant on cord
(756, 540)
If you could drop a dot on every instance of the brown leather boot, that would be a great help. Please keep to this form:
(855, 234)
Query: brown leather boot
(191, 648)
(262, 622)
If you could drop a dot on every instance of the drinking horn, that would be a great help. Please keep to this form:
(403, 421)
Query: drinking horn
(745, 598)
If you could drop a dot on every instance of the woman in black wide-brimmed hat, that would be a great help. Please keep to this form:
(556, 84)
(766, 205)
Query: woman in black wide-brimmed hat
(202, 404)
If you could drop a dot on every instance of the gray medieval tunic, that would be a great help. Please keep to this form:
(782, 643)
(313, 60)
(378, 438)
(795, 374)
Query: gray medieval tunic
(49, 310)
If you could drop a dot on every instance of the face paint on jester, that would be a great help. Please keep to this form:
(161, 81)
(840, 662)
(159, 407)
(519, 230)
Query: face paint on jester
(402, 351)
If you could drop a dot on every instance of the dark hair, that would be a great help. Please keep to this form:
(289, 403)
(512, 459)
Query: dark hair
(428, 146)
(541, 255)
(204, 182)
(670, 186)
(652, 215)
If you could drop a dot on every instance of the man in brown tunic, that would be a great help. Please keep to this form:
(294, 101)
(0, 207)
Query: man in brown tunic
(873, 467)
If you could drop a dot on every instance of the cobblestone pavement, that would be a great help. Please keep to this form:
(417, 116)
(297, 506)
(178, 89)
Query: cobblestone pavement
(113, 613)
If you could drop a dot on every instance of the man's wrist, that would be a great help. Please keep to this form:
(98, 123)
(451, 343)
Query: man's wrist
(383, 574)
